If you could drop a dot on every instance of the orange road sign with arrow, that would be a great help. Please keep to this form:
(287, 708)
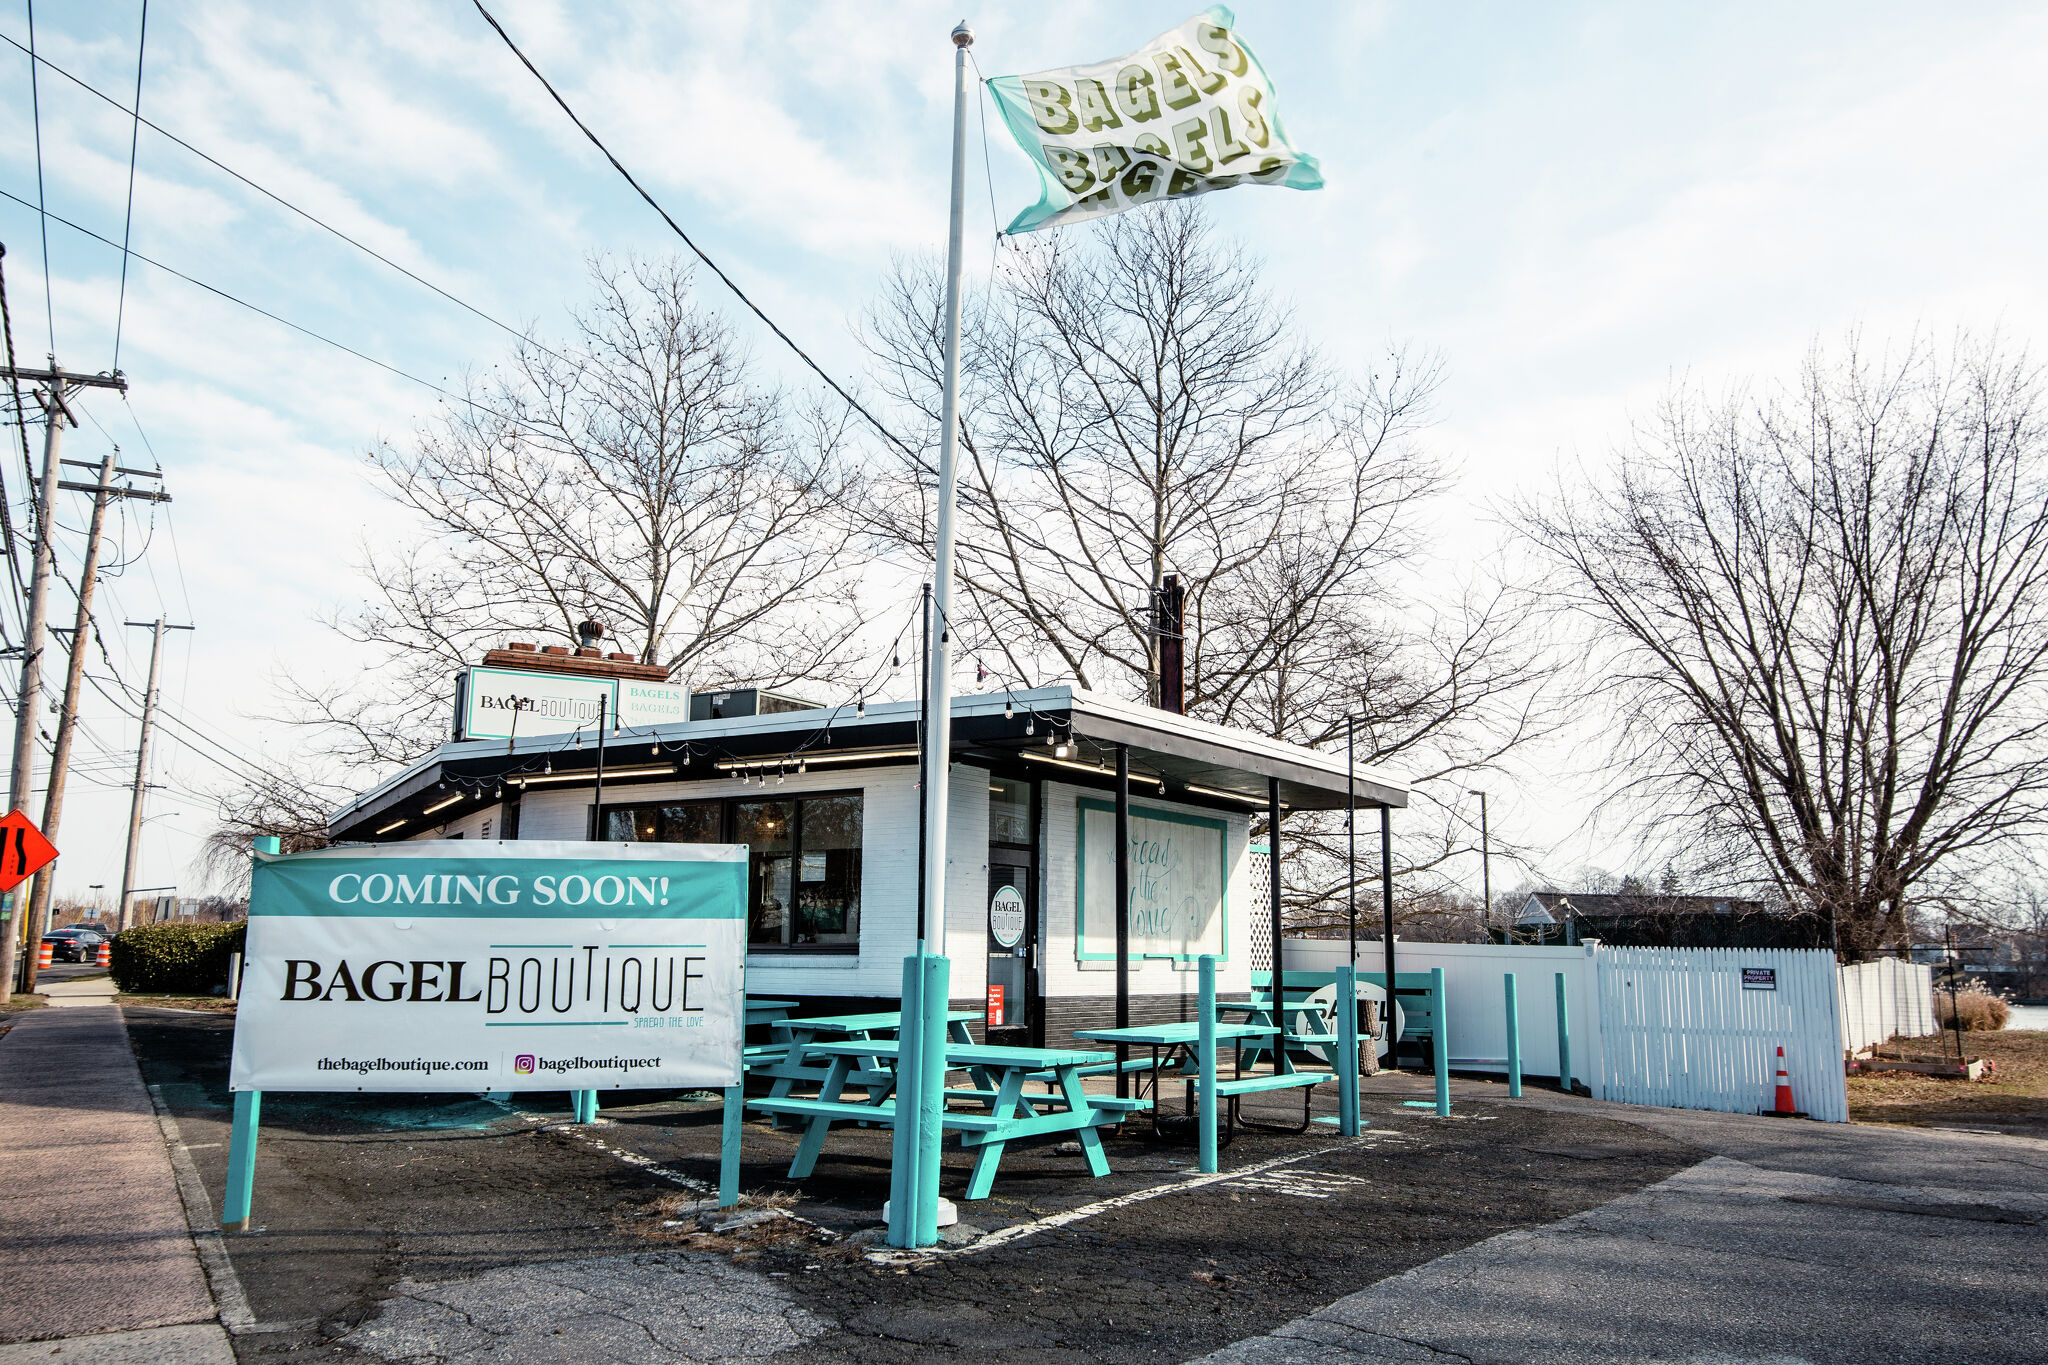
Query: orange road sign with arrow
(23, 850)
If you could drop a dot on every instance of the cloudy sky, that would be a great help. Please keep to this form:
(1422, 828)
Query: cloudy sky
(1572, 204)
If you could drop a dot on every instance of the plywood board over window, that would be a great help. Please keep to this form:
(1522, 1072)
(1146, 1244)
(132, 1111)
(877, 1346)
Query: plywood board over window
(1179, 872)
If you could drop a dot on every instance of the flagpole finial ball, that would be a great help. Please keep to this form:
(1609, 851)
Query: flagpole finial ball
(963, 36)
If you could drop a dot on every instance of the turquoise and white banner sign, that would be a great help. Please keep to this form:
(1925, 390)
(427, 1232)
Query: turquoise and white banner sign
(447, 965)
(1190, 112)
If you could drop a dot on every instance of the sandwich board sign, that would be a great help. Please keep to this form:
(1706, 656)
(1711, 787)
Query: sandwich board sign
(457, 965)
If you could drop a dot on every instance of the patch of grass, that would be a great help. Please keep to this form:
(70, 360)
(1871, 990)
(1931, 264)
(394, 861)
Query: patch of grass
(23, 1002)
(673, 1219)
(212, 1004)
(2018, 1089)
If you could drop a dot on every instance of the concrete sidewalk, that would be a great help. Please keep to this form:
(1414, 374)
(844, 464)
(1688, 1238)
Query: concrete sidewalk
(97, 1241)
(1796, 1243)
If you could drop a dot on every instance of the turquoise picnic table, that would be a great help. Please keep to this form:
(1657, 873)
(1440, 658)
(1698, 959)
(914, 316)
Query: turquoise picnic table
(760, 1011)
(775, 1060)
(1177, 1041)
(1065, 1107)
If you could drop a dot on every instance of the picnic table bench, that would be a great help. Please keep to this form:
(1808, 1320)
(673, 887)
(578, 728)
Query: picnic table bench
(1007, 1116)
(780, 1061)
(1177, 1042)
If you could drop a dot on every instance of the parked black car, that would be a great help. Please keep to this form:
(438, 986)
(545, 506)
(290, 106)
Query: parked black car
(75, 944)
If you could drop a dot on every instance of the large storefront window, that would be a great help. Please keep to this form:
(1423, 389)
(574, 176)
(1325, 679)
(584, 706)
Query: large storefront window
(803, 872)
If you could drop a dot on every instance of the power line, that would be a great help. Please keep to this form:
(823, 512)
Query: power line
(128, 221)
(35, 102)
(283, 321)
(273, 196)
(676, 228)
(27, 460)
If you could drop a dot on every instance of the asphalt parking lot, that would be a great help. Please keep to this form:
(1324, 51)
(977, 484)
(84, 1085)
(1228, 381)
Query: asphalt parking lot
(396, 1227)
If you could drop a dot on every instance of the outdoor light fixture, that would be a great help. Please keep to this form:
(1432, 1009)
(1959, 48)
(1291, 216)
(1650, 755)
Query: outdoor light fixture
(500, 796)
(1060, 751)
(636, 770)
(395, 824)
(548, 764)
(744, 768)
(1009, 711)
(443, 805)
(1257, 801)
(1051, 738)
(860, 707)
(1031, 726)
(686, 756)
(579, 739)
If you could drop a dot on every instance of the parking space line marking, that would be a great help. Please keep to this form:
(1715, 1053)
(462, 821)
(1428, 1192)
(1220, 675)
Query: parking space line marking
(1018, 1231)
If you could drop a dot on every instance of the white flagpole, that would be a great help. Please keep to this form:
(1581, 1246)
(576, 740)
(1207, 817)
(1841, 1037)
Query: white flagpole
(935, 763)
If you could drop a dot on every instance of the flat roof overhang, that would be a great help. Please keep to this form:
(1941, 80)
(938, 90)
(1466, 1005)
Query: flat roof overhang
(1170, 756)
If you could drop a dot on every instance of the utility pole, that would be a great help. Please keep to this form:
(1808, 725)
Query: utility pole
(57, 386)
(156, 649)
(103, 492)
(1485, 870)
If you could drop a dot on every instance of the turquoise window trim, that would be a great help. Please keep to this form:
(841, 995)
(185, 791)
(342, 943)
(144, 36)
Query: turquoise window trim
(1086, 804)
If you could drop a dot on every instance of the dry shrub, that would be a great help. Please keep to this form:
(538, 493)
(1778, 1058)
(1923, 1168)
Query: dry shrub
(1979, 1010)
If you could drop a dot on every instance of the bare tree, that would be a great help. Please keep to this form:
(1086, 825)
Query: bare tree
(1135, 403)
(1820, 625)
(639, 475)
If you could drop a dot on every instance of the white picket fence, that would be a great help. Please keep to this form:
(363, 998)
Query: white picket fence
(1885, 999)
(1691, 1028)
(1665, 1026)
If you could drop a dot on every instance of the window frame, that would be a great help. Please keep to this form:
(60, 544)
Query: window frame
(728, 822)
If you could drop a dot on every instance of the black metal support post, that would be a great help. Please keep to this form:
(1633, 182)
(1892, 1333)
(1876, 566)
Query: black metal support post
(924, 646)
(597, 793)
(1387, 928)
(1351, 833)
(1123, 910)
(1273, 881)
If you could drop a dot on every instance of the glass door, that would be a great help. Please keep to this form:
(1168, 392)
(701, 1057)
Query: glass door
(1012, 910)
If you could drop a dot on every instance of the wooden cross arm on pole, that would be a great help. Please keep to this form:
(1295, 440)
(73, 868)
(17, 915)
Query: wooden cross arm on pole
(145, 494)
(116, 380)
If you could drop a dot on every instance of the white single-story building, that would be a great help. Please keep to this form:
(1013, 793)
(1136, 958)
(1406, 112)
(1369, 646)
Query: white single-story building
(826, 800)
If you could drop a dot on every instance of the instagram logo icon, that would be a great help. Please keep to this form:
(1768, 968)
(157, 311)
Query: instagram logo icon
(522, 1065)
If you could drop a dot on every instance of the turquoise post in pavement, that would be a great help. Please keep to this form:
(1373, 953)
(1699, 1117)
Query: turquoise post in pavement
(1564, 1039)
(1347, 1050)
(729, 1146)
(238, 1197)
(235, 1204)
(1514, 1040)
(904, 1146)
(583, 1106)
(1440, 1042)
(931, 1094)
(1205, 1058)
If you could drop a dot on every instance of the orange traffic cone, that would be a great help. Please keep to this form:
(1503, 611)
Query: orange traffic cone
(106, 954)
(46, 957)
(1784, 1105)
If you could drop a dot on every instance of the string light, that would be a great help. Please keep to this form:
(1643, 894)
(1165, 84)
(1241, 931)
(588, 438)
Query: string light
(860, 708)
(1030, 726)
(1009, 711)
